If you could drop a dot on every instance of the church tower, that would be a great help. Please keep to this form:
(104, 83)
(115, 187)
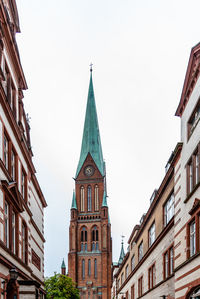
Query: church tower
(90, 244)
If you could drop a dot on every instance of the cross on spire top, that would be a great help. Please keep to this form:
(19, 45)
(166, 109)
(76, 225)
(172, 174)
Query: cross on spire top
(91, 64)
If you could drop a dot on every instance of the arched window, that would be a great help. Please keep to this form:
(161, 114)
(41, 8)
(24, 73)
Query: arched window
(83, 269)
(95, 268)
(82, 199)
(89, 198)
(83, 239)
(95, 238)
(96, 198)
(195, 294)
(89, 268)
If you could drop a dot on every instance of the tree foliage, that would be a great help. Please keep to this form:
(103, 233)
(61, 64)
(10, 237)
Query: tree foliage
(61, 286)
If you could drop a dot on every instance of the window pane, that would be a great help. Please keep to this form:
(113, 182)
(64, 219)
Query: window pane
(192, 239)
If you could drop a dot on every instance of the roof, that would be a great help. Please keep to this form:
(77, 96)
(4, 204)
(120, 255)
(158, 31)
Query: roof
(91, 142)
(63, 265)
(192, 74)
(104, 203)
(122, 254)
(74, 204)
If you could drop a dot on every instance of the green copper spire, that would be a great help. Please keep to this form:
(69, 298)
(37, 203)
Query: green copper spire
(104, 203)
(63, 265)
(74, 205)
(91, 142)
(122, 254)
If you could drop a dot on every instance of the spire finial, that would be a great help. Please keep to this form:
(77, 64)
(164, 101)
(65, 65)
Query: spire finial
(122, 238)
(91, 64)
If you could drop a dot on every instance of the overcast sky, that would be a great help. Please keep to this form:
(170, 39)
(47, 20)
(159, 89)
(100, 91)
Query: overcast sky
(140, 50)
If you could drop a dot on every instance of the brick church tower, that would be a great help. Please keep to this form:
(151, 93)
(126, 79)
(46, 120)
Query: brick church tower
(90, 244)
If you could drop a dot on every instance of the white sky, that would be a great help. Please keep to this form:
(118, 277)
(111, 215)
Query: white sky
(140, 50)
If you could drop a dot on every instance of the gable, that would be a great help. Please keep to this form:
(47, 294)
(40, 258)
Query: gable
(89, 161)
(192, 74)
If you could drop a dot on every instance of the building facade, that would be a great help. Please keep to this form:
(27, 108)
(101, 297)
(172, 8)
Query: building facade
(90, 244)
(163, 258)
(187, 186)
(21, 199)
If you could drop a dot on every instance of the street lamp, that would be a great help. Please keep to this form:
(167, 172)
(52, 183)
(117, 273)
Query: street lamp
(13, 274)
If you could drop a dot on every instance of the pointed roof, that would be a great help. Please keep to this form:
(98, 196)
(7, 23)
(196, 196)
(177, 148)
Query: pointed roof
(74, 205)
(122, 254)
(91, 142)
(104, 202)
(63, 265)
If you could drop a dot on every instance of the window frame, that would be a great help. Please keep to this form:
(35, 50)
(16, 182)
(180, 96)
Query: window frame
(150, 241)
(140, 286)
(140, 256)
(169, 269)
(168, 209)
(152, 276)
(193, 120)
(193, 171)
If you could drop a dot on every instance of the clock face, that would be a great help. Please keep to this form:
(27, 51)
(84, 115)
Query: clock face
(89, 170)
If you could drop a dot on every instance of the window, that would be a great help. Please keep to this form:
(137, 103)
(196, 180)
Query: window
(96, 198)
(140, 286)
(13, 165)
(152, 276)
(132, 263)
(95, 268)
(89, 198)
(152, 234)
(23, 184)
(89, 267)
(83, 269)
(122, 278)
(82, 199)
(95, 238)
(5, 150)
(13, 232)
(169, 209)
(192, 238)
(194, 119)
(36, 261)
(193, 171)
(140, 251)
(126, 272)
(83, 239)
(118, 283)
(6, 224)
(133, 292)
(193, 231)
(24, 243)
(168, 262)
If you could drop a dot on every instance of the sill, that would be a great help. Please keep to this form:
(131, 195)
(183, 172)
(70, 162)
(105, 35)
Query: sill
(192, 192)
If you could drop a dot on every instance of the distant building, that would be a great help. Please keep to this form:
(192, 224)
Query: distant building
(21, 199)
(90, 245)
(163, 258)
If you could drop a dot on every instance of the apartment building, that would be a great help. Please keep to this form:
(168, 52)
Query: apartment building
(21, 199)
(163, 259)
